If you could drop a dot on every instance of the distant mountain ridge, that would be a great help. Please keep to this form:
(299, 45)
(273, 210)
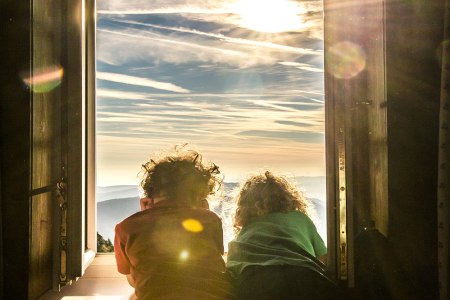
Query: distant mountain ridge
(313, 186)
(104, 193)
(111, 212)
(115, 203)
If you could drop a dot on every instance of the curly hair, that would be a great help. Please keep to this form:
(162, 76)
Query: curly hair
(181, 176)
(264, 194)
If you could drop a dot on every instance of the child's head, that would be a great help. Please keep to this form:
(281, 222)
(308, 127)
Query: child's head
(180, 176)
(264, 194)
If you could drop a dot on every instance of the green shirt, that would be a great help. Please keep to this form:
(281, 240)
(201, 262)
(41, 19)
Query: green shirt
(275, 239)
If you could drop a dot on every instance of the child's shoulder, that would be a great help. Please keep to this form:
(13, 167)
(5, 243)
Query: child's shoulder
(288, 214)
(134, 218)
(292, 216)
(203, 213)
(300, 216)
(150, 216)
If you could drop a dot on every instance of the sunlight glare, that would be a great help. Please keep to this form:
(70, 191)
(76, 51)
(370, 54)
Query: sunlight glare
(184, 255)
(270, 16)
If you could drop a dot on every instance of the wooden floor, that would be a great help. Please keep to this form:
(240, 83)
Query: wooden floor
(101, 281)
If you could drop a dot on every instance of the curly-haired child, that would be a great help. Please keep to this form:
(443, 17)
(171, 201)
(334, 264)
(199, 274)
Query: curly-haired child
(277, 251)
(173, 247)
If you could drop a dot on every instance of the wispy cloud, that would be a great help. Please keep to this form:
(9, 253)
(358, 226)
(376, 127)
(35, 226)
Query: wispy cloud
(165, 10)
(125, 79)
(157, 47)
(211, 10)
(301, 66)
(161, 6)
(224, 38)
(226, 117)
(182, 42)
(187, 6)
(119, 94)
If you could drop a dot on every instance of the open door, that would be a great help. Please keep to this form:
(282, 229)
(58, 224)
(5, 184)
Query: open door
(63, 85)
(75, 190)
(356, 138)
(46, 163)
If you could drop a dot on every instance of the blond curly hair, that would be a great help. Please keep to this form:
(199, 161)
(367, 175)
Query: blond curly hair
(264, 194)
(181, 176)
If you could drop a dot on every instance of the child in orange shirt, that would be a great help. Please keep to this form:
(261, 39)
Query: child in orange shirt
(173, 247)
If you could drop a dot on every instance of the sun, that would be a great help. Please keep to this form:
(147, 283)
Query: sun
(271, 16)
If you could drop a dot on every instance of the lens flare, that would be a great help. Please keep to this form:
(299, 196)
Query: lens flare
(184, 255)
(192, 225)
(45, 80)
(346, 60)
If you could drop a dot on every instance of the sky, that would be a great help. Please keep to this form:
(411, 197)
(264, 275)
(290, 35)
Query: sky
(241, 81)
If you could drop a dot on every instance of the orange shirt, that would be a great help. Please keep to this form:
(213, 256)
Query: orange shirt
(173, 251)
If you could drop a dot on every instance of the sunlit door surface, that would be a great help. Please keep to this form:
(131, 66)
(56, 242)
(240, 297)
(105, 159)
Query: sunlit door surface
(241, 81)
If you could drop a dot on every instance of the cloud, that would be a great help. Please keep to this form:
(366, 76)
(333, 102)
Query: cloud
(182, 39)
(186, 6)
(205, 117)
(223, 11)
(125, 79)
(224, 38)
(293, 123)
(160, 48)
(309, 137)
(160, 6)
(301, 66)
(119, 94)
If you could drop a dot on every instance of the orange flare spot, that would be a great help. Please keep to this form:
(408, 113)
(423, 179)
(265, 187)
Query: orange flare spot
(192, 225)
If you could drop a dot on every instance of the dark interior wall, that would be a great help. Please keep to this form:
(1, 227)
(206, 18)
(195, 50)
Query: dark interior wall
(414, 31)
(15, 145)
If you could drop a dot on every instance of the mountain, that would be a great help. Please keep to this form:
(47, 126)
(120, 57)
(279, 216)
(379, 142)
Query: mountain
(312, 186)
(319, 218)
(116, 203)
(111, 212)
(104, 193)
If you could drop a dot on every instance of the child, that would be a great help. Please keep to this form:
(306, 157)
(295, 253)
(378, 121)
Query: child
(172, 248)
(275, 253)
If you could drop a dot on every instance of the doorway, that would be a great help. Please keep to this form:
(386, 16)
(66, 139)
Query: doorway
(245, 86)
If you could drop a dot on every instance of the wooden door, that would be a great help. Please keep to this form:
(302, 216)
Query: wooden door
(356, 138)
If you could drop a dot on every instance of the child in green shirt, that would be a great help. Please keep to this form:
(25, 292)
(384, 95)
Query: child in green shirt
(277, 253)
